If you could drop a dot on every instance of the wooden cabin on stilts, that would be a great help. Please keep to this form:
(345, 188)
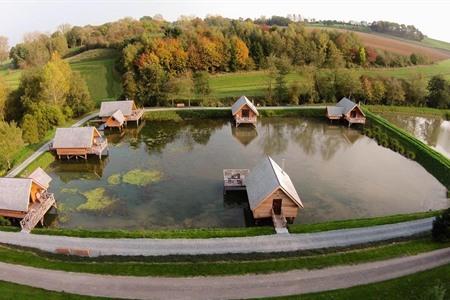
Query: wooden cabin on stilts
(347, 110)
(119, 113)
(26, 198)
(79, 142)
(244, 112)
(271, 194)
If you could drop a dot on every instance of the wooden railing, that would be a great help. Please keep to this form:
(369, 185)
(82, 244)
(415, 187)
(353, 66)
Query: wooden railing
(99, 146)
(136, 114)
(246, 119)
(37, 212)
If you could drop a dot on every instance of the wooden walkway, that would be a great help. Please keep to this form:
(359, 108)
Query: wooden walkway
(37, 212)
(234, 179)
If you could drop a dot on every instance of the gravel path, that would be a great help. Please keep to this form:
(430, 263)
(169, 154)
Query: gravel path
(226, 287)
(267, 243)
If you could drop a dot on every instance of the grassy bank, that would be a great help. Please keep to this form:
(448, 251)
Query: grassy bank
(401, 141)
(187, 114)
(149, 266)
(432, 284)
(227, 232)
(366, 222)
(410, 110)
(42, 161)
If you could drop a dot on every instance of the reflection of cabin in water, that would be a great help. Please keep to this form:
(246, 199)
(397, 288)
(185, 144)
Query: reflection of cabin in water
(26, 198)
(244, 112)
(346, 110)
(245, 135)
(118, 113)
(79, 142)
(271, 193)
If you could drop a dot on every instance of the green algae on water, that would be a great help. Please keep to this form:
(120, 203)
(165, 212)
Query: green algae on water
(97, 201)
(69, 191)
(141, 177)
(114, 179)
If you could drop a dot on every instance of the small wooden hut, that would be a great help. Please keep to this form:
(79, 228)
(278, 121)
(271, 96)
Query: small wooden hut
(79, 142)
(26, 198)
(244, 112)
(118, 113)
(271, 193)
(346, 110)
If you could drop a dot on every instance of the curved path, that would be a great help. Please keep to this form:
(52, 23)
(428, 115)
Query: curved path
(224, 287)
(262, 244)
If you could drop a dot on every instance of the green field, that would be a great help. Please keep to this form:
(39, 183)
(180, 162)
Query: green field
(254, 83)
(436, 43)
(96, 67)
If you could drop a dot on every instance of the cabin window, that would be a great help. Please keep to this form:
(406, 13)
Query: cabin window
(245, 113)
(353, 114)
(276, 206)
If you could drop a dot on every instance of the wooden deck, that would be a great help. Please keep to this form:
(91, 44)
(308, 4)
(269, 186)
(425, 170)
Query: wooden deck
(37, 212)
(136, 115)
(243, 120)
(355, 120)
(101, 144)
(234, 179)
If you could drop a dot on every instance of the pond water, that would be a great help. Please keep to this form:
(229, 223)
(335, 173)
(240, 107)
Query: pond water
(433, 131)
(170, 175)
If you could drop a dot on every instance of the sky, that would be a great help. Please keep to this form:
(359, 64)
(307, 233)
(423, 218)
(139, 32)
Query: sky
(21, 16)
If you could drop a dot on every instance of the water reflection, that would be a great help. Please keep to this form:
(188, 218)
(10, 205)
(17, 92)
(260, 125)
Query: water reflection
(170, 175)
(433, 131)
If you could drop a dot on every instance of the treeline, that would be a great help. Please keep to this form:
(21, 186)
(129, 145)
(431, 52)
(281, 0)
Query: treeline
(318, 86)
(401, 30)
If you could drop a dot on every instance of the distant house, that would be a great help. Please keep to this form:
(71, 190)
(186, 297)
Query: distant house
(271, 193)
(346, 110)
(244, 112)
(79, 142)
(26, 198)
(118, 113)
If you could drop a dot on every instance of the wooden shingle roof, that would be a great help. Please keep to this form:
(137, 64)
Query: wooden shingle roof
(118, 116)
(264, 179)
(108, 108)
(240, 103)
(15, 193)
(74, 137)
(41, 178)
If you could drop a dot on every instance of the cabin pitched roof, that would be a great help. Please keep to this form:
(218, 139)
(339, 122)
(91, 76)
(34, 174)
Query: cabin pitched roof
(74, 137)
(41, 178)
(343, 107)
(240, 103)
(15, 193)
(108, 108)
(264, 179)
(335, 111)
(118, 116)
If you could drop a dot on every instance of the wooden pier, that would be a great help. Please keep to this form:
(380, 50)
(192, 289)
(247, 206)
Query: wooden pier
(37, 211)
(234, 179)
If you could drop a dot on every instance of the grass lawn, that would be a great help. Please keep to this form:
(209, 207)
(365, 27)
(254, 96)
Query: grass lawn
(217, 265)
(431, 284)
(254, 83)
(355, 223)
(436, 43)
(409, 110)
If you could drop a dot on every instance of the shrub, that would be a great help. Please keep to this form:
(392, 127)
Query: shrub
(4, 222)
(441, 227)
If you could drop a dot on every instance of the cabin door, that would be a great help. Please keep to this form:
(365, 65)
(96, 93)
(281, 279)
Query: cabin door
(353, 114)
(245, 113)
(276, 206)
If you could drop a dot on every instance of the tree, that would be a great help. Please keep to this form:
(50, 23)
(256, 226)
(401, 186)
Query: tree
(281, 90)
(438, 92)
(201, 86)
(395, 93)
(378, 91)
(10, 143)
(78, 98)
(30, 129)
(56, 78)
(416, 90)
(325, 85)
(347, 83)
(3, 98)
(4, 48)
(334, 56)
(362, 56)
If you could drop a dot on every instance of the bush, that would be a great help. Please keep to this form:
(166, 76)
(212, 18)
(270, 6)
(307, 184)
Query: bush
(441, 227)
(4, 222)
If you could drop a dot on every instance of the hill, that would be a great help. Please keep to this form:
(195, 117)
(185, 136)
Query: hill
(97, 68)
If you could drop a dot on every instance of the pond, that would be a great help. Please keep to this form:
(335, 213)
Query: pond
(434, 131)
(170, 175)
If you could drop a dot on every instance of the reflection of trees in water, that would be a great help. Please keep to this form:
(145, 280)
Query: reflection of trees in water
(69, 170)
(426, 129)
(317, 137)
(199, 132)
(275, 140)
